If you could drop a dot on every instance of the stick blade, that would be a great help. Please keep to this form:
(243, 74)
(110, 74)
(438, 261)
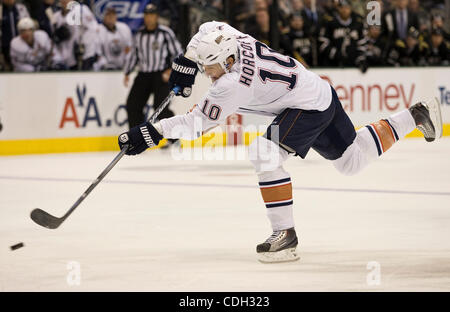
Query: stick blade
(45, 219)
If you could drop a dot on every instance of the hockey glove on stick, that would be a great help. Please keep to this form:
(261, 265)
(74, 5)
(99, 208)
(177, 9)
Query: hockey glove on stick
(140, 138)
(183, 75)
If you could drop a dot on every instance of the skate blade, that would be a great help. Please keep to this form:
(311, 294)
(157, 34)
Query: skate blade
(436, 116)
(286, 255)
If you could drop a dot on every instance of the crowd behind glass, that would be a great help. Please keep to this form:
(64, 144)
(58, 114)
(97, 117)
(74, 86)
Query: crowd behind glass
(36, 36)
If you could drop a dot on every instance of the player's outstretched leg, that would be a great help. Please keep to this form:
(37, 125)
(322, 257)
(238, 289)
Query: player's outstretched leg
(375, 139)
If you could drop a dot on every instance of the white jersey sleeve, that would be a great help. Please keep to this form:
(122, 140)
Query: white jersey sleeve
(221, 101)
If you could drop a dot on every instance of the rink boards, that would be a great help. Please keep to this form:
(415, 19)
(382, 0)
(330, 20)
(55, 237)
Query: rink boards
(77, 112)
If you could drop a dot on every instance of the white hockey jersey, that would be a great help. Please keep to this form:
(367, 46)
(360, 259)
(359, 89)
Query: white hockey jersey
(114, 46)
(86, 33)
(26, 58)
(261, 81)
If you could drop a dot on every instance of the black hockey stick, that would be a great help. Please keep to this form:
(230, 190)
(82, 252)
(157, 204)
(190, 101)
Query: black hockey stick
(51, 222)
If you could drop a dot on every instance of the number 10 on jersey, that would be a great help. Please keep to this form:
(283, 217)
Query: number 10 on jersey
(273, 56)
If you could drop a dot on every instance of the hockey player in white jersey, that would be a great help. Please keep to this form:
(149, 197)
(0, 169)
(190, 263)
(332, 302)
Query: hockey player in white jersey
(249, 77)
(77, 44)
(115, 42)
(31, 51)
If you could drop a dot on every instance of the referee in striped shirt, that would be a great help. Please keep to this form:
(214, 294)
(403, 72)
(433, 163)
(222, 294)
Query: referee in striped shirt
(154, 48)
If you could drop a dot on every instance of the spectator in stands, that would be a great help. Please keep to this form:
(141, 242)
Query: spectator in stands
(311, 17)
(376, 48)
(437, 21)
(359, 7)
(396, 22)
(423, 17)
(299, 37)
(284, 13)
(168, 12)
(31, 50)
(217, 4)
(250, 22)
(261, 31)
(439, 51)
(239, 13)
(42, 11)
(115, 42)
(409, 52)
(78, 45)
(341, 38)
(261, 28)
(329, 8)
(10, 14)
(259, 4)
(297, 6)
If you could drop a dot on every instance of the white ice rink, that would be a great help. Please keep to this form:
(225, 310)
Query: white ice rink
(156, 224)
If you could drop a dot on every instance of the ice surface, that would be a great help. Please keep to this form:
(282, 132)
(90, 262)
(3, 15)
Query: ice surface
(156, 224)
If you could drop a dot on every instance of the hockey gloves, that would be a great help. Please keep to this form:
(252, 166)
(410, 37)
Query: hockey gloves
(183, 75)
(140, 138)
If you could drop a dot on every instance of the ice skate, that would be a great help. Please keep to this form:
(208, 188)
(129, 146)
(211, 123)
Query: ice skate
(279, 247)
(428, 118)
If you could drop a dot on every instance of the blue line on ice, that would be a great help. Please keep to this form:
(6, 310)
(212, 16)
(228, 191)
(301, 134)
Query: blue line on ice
(303, 188)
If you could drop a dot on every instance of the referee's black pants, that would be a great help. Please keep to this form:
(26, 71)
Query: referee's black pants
(143, 86)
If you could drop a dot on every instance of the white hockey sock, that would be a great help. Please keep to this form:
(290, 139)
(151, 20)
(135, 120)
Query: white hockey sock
(403, 123)
(276, 190)
(386, 132)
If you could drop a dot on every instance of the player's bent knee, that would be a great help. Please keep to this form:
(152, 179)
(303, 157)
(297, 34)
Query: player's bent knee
(265, 155)
(348, 168)
(352, 160)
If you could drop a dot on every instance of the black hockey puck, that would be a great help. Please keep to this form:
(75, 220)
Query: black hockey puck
(17, 246)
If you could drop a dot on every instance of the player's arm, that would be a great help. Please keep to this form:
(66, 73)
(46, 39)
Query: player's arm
(189, 126)
(147, 135)
(221, 101)
(213, 110)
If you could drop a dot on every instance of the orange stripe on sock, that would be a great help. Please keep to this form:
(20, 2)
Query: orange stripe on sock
(386, 124)
(277, 193)
(384, 133)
